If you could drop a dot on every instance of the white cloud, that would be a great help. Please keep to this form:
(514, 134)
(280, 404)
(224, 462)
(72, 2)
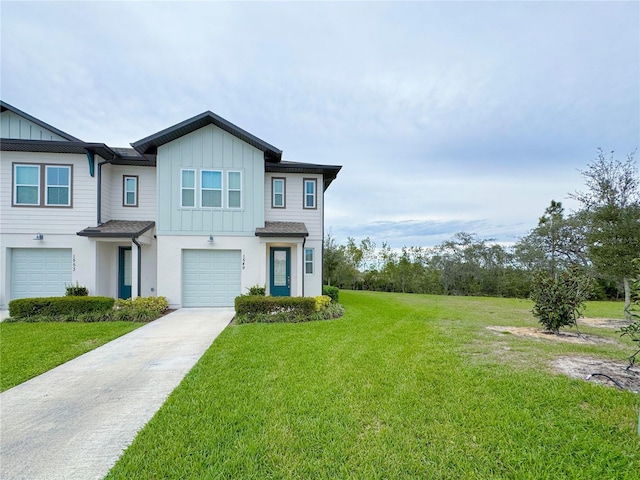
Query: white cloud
(445, 116)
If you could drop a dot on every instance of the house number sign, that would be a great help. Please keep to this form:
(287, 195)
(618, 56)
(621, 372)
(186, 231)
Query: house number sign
(73, 261)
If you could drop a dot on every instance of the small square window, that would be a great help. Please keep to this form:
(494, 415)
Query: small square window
(130, 191)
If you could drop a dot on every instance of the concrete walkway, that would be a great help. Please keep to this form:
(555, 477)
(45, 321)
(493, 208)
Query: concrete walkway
(74, 421)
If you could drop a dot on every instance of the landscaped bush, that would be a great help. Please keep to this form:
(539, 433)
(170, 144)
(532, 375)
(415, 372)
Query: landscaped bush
(258, 290)
(333, 292)
(154, 305)
(54, 306)
(251, 309)
(77, 290)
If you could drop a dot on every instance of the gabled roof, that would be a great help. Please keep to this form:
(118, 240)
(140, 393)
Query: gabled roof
(5, 106)
(150, 144)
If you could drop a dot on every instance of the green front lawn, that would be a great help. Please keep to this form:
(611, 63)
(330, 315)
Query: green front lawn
(403, 386)
(29, 349)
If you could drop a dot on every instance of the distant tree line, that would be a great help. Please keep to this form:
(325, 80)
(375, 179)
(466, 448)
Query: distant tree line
(600, 240)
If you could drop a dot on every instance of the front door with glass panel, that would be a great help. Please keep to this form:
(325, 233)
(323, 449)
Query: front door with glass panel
(124, 272)
(280, 284)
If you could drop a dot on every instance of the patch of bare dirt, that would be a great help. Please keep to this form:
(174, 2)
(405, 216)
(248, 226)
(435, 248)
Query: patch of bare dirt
(602, 322)
(600, 371)
(571, 337)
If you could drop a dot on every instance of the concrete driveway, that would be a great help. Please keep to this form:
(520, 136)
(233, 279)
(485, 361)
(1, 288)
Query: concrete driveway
(74, 421)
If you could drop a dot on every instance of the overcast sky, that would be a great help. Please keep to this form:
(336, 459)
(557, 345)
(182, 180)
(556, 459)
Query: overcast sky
(446, 116)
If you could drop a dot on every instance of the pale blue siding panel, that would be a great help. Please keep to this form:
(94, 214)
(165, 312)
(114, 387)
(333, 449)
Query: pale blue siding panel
(209, 147)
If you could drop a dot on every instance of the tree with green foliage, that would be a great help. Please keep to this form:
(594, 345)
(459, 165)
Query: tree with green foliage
(611, 206)
(557, 242)
(559, 298)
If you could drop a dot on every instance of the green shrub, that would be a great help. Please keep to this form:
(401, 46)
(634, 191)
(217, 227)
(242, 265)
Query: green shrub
(322, 302)
(258, 290)
(333, 292)
(52, 306)
(155, 305)
(559, 300)
(251, 309)
(77, 290)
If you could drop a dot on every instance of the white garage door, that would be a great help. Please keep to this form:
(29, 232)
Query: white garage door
(210, 278)
(40, 272)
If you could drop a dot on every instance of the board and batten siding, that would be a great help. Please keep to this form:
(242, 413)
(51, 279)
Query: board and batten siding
(15, 126)
(209, 148)
(56, 220)
(294, 211)
(146, 209)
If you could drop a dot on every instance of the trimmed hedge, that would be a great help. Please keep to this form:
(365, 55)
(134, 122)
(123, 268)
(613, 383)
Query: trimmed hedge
(254, 304)
(333, 292)
(156, 305)
(53, 306)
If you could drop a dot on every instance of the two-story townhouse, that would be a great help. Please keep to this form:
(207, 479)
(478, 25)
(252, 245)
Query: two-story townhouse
(198, 212)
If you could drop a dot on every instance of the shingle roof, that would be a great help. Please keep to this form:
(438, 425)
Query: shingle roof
(283, 229)
(118, 228)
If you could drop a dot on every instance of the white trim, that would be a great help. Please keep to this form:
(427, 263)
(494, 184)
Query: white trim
(203, 189)
(194, 188)
(46, 186)
(229, 190)
(273, 192)
(16, 185)
(305, 194)
(125, 191)
(312, 262)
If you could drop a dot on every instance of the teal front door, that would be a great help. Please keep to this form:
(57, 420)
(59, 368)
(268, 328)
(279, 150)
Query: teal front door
(280, 283)
(124, 272)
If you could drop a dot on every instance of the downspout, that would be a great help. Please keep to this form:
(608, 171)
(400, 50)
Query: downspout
(99, 219)
(304, 240)
(135, 241)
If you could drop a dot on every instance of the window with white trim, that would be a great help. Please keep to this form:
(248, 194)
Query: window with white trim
(308, 260)
(278, 199)
(130, 190)
(211, 188)
(26, 190)
(58, 186)
(234, 189)
(309, 193)
(188, 188)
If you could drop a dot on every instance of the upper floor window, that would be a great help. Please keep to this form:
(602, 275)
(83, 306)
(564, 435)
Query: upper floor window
(234, 189)
(310, 193)
(26, 189)
(308, 260)
(58, 185)
(42, 185)
(278, 196)
(211, 188)
(130, 190)
(188, 188)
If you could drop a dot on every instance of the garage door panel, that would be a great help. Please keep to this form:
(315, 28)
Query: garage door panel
(40, 272)
(210, 278)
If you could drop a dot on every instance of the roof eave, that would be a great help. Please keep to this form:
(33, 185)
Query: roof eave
(150, 144)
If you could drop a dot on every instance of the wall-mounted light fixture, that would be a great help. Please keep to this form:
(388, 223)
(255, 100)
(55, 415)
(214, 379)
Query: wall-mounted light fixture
(210, 240)
(38, 236)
